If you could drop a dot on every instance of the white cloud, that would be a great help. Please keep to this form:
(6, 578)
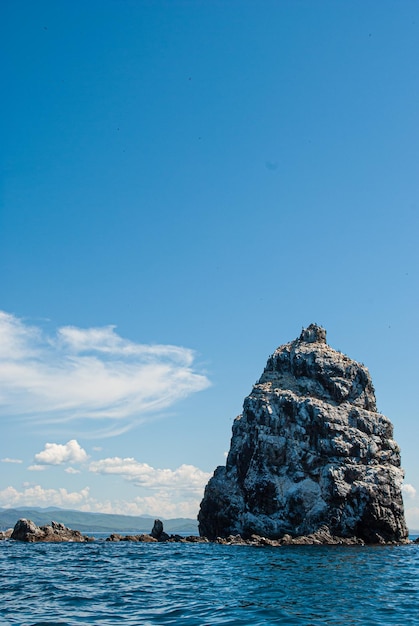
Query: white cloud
(16, 339)
(58, 454)
(37, 468)
(186, 478)
(412, 517)
(89, 373)
(72, 470)
(164, 492)
(409, 490)
(37, 496)
(160, 504)
(411, 506)
(8, 460)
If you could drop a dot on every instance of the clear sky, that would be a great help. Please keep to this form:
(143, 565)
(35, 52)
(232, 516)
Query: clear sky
(185, 184)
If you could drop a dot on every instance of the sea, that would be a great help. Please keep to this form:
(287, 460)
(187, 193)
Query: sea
(130, 584)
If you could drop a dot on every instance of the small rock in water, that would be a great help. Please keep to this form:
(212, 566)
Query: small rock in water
(28, 531)
(6, 534)
(157, 531)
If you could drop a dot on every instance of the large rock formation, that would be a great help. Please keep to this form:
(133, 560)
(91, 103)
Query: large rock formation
(309, 451)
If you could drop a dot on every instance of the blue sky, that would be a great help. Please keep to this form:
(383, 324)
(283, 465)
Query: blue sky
(184, 186)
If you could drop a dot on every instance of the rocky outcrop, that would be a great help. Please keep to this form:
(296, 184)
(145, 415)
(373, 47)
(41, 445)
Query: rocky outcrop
(158, 531)
(321, 537)
(310, 451)
(26, 530)
(143, 538)
(157, 535)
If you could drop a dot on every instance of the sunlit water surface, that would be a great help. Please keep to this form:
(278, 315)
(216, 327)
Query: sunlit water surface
(197, 584)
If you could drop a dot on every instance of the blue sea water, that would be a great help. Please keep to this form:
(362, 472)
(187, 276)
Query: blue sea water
(131, 584)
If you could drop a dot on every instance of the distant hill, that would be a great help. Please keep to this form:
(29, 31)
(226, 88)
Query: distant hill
(95, 522)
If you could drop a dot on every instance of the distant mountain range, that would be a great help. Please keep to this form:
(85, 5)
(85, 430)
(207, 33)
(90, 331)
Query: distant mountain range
(95, 522)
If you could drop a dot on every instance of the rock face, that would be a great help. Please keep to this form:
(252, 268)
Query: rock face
(309, 451)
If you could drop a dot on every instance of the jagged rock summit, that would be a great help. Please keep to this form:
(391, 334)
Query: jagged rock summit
(309, 451)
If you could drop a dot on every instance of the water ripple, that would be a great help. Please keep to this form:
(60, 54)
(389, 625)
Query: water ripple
(135, 584)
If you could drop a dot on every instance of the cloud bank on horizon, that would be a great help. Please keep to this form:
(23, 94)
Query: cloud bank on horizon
(164, 492)
(91, 374)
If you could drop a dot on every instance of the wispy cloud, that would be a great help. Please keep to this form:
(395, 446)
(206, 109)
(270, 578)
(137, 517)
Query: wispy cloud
(72, 470)
(89, 373)
(7, 460)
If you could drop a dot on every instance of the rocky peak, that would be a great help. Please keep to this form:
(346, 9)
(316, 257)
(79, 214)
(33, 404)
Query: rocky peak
(309, 450)
(313, 334)
(308, 366)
